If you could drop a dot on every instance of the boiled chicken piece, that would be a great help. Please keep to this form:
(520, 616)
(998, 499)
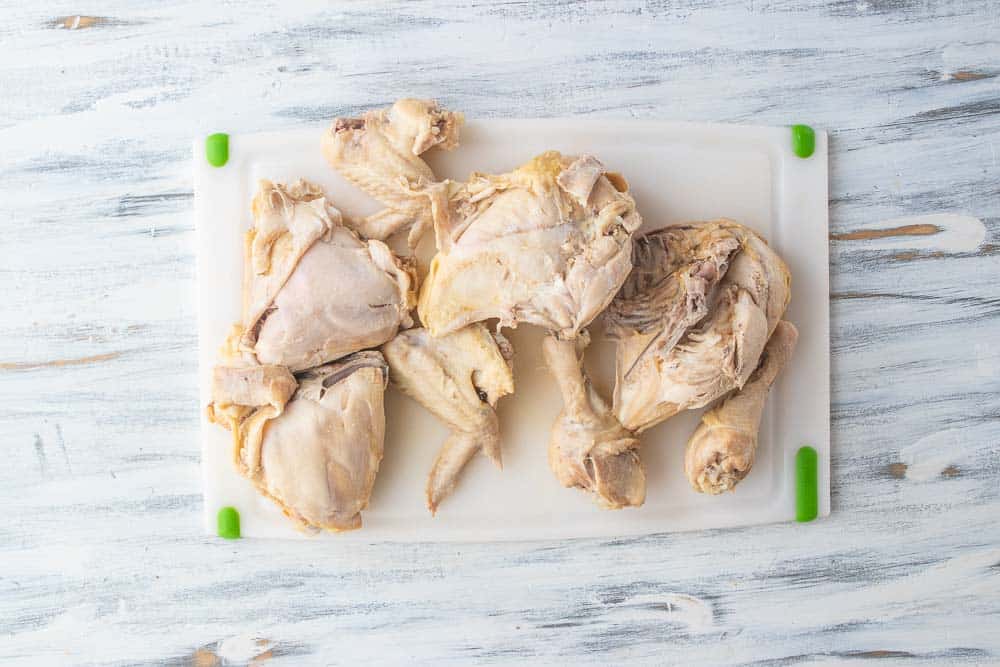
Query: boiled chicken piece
(547, 244)
(314, 452)
(459, 377)
(722, 449)
(692, 318)
(380, 153)
(588, 448)
(313, 290)
(245, 399)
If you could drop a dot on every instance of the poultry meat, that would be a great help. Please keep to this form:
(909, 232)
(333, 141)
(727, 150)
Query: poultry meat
(721, 451)
(313, 290)
(691, 323)
(380, 153)
(459, 377)
(311, 445)
(692, 318)
(588, 448)
(547, 244)
(695, 310)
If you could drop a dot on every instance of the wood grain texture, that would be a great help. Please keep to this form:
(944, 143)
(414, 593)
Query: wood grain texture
(102, 556)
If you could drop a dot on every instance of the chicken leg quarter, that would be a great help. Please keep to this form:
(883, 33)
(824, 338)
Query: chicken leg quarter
(692, 318)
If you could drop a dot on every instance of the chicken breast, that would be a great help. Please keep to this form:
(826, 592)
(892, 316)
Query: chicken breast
(458, 377)
(313, 290)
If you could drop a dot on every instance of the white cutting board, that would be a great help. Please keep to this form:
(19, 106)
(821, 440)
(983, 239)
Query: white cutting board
(678, 172)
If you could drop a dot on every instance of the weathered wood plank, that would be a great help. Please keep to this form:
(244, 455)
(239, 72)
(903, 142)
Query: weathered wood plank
(103, 561)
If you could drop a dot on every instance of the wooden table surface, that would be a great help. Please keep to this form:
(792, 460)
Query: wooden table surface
(102, 559)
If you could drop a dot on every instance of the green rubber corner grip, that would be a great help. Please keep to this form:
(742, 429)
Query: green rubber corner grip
(803, 140)
(217, 149)
(806, 484)
(228, 523)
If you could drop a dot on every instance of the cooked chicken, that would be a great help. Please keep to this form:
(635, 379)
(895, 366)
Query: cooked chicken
(245, 399)
(722, 449)
(459, 377)
(380, 153)
(589, 449)
(692, 318)
(315, 455)
(314, 291)
(547, 244)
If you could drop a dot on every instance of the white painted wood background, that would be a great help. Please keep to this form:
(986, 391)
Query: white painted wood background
(102, 559)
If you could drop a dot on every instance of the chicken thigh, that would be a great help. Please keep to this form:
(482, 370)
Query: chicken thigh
(459, 377)
(313, 290)
(315, 449)
(380, 153)
(547, 244)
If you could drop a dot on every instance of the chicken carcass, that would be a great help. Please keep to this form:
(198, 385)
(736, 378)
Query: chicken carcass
(313, 291)
(459, 377)
(380, 153)
(547, 244)
(721, 451)
(314, 445)
(692, 318)
(588, 448)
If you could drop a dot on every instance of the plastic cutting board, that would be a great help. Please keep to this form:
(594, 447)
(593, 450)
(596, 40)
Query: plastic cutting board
(678, 172)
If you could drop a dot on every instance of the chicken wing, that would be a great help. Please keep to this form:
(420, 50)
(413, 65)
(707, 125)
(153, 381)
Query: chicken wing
(459, 377)
(380, 153)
